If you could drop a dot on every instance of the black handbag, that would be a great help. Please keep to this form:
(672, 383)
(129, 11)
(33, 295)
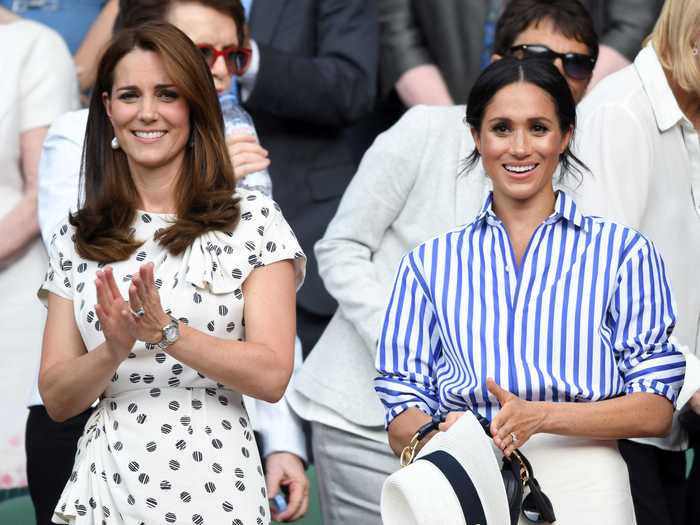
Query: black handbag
(516, 471)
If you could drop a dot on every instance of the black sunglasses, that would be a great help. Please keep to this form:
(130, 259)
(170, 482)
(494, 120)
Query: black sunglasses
(535, 511)
(576, 65)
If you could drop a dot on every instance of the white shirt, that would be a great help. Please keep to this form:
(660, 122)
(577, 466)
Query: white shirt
(59, 169)
(645, 161)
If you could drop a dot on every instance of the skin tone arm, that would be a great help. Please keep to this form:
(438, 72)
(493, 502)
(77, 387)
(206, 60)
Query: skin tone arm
(264, 373)
(632, 415)
(423, 85)
(260, 366)
(64, 358)
(88, 55)
(21, 225)
(403, 426)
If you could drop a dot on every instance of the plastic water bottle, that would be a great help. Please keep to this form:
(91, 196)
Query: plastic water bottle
(237, 121)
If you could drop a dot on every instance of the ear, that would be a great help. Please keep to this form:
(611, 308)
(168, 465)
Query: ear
(477, 139)
(495, 57)
(566, 140)
(107, 102)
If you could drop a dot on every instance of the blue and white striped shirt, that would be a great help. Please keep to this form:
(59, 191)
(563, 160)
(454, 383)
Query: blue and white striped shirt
(585, 317)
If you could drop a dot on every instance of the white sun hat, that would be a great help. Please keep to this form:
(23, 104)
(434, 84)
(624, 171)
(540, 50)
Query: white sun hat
(454, 480)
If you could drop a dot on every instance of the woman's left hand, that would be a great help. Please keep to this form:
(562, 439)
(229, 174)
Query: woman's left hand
(144, 295)
(517, 420)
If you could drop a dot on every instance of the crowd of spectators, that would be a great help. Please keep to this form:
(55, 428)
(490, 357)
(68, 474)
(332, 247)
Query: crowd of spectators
(359, 109)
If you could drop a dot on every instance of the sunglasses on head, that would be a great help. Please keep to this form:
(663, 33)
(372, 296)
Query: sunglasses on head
(236, 58)
(576, 65)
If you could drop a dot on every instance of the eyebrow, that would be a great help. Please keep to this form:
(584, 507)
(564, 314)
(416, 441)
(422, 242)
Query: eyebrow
(158, 86)
(530, 120)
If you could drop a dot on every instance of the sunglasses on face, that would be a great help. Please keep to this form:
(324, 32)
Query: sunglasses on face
(576, 65)
(236, 58)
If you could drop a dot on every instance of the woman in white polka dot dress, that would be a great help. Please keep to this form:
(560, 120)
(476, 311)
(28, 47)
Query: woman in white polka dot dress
(146, 292)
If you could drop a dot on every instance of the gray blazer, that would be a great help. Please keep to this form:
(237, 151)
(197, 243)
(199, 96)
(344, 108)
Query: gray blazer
(410, 186)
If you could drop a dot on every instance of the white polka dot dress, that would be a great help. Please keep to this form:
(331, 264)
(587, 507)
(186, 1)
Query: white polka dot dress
(166, 444)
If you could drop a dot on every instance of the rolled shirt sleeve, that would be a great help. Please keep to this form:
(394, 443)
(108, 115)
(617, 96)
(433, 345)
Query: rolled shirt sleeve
(409, 346)
(643, 318)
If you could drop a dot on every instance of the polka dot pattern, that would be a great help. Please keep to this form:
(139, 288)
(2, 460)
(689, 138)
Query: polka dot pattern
(167, 444)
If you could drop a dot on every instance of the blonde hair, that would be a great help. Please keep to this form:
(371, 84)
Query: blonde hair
(676, 32)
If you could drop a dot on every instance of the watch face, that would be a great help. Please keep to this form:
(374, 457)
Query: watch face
(171, 333)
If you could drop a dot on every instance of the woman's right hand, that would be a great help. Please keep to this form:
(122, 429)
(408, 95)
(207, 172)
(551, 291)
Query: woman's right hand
(247, 155)
(110, 310)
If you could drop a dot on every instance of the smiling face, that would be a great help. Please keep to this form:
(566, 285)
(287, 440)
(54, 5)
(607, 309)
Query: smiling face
(150, 119)
(545, 33)
(520, 143)
(206, 25)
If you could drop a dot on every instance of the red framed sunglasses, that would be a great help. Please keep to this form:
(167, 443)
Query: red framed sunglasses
(237, 59)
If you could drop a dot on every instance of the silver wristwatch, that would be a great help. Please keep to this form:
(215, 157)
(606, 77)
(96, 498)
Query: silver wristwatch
(171, 333)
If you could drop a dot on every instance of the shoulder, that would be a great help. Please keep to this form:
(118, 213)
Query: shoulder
(620, 95)
(440, 245)
(255, 206)
(71, 123)
(69, 126)
(422, 128)
(622, 239)
(42, 41)
(61, 240)
(433, 115)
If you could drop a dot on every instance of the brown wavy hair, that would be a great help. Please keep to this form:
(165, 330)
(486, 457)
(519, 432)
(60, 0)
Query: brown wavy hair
(205, 185)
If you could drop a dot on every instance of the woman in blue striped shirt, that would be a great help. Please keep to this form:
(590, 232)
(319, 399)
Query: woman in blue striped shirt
(551, 324)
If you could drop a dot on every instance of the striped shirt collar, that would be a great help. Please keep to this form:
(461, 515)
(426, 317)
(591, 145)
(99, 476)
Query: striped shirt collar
(564, 209)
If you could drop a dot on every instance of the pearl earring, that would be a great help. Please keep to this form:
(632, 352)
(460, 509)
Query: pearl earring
(114, 143)
(695, 49)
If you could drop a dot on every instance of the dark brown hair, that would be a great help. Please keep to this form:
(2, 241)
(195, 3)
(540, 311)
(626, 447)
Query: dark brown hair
(205, 185)
(569, 17)
(133, 13)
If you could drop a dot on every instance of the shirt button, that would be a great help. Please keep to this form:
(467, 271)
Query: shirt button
(508, 269)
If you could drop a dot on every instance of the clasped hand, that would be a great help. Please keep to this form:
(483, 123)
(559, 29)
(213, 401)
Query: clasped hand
(121, 327)
(517, 417)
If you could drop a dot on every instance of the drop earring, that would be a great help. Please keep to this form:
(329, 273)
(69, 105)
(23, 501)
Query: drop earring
(114, 143)
(695, 49)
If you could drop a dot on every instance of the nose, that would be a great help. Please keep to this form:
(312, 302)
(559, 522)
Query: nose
(559, 64)
(520, 144)
(219, 70)
(148, 112)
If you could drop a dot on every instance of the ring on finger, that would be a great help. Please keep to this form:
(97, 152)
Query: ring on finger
(514, 437)
(139, 312)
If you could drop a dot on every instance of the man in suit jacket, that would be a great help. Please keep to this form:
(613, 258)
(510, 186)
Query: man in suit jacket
(431, 51)
(313, 75)
(410, 186)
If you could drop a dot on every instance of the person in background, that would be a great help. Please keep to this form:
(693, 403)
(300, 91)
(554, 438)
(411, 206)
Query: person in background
(209, 22)
(409, 187)
(72, 19)
(163, 348)
(639, 135)
(432, 51)
(551, 324)
(37, 85)
(313, 75)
